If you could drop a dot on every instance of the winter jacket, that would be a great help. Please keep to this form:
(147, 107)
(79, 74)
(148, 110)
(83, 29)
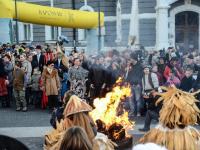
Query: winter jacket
(35, 82)
(28, 70)
(187, 84)
(9, 71)
(19, 79)
(51, 82)
(135, 75)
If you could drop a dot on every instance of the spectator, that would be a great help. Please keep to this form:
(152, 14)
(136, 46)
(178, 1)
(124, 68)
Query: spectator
(61, 63)
(35, 87)
(134, 77)
(3, 85)
(19, 83)
(172, 65)
(26, 63)
(97, 76)
(8, 66)
(173, 79)
(150, 84)
(161, 68)
(51, 84)
(38, 60)
(188, 81)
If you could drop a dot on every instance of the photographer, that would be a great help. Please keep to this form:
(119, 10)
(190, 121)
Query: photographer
(149, 85)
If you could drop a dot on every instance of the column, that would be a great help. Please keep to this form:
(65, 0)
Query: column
(134, 23)
(118, 23)
(6, 30)
(199, 32)
(162, 40)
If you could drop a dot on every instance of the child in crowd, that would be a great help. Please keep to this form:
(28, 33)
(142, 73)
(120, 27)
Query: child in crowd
(19, 83)
(188, 81)
(36, 92)
(173, 79)
(64, 85)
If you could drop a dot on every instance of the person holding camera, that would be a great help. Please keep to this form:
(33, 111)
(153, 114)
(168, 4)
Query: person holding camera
(149, 85)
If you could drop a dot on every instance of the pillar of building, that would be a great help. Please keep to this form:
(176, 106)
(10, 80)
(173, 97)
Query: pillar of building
(162, 40)
(6, 30)
(134, 22)
(118, 23)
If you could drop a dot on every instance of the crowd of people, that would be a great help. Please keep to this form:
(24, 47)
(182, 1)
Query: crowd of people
(37, 73)
(44, 75)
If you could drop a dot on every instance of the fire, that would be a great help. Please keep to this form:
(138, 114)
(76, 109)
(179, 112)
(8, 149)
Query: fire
(107, 111)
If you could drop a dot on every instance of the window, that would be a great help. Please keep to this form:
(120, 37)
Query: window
(27, 32)
(54, 33)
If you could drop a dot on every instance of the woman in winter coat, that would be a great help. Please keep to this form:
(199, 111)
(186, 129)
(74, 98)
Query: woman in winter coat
(51, 84)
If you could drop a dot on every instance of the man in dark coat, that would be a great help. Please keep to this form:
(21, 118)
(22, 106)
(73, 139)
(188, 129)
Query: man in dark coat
(187, 81)
(39, 59)
(134, 77)
(61, 64)
(97, 76)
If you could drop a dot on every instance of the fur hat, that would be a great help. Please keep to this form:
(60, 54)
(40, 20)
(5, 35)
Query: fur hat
(76, 105)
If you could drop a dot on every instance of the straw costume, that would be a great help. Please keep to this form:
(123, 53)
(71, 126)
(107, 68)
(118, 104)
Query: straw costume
(76, 114)
(178, 114)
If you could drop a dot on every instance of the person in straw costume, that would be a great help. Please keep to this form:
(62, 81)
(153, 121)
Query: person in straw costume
(76, 114)
(178, 114)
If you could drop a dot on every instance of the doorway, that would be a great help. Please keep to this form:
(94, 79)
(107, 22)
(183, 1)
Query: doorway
(187, 30)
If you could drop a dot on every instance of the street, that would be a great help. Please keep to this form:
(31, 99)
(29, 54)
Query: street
(30, 127)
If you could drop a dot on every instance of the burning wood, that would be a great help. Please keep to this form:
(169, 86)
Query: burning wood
(109, 116)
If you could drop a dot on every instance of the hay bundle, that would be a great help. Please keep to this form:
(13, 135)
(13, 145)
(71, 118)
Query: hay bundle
(179, 111)
(179, 108)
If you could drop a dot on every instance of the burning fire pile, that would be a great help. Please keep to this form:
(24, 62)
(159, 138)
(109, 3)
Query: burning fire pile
(109, 115)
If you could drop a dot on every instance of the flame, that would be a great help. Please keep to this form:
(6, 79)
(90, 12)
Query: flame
(106, 109)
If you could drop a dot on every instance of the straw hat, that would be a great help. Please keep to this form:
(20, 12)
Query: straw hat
(76, 105)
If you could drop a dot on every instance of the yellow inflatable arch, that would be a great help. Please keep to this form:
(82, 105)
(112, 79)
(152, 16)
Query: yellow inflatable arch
(37, 14)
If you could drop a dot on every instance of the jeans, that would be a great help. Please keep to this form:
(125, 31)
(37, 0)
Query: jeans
(135, 100)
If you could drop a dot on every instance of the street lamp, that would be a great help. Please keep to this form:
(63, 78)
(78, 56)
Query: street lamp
(99, 26)
(16, 21)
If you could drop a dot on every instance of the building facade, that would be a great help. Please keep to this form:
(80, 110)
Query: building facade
(154, 24)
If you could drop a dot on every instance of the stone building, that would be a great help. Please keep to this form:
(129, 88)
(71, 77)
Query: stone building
(154, 24)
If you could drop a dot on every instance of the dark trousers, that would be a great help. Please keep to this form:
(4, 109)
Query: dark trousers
(52, 101)
(3, 100)
(37, 97)
(10, 95)
(28, 95)
(96, 91)
(149, 116)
